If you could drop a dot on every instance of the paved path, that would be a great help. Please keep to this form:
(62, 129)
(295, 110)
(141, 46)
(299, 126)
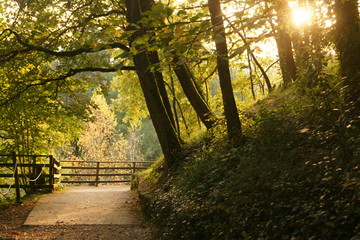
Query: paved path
(110, 205)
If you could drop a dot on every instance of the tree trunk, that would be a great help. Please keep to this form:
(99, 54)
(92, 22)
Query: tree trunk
(186, 80)
(154, 59)
(262, 70)
(230, 109)
(169, 141)
(284, 43)
(348, 45)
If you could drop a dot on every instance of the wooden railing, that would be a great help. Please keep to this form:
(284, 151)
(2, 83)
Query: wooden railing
(44, 172)
(93, 172)
(29, 171)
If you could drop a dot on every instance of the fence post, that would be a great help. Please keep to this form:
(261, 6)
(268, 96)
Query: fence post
(51, 173)
(133, 168)
(16, 175)
(32, 170)
(97, 173)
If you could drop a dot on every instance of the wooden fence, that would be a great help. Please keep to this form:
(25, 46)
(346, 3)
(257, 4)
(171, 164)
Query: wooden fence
(29, 171)
(93, 172)
(45, 172)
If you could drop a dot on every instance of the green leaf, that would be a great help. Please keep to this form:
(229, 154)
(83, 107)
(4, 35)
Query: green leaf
(181, 12)
(126, 55)
(158, 8)
(142, 40)
(119, 66)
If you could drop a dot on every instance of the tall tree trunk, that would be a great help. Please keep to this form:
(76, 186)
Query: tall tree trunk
(284, 43)
(231, 113)
(348, 45)
(154, 59)
(262, 70)
(187, 82)
(169, 141)
(251, 75)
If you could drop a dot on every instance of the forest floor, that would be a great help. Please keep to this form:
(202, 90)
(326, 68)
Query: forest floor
(91, 221)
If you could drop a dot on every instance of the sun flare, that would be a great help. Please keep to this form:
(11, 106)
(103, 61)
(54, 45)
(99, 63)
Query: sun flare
(301, 16)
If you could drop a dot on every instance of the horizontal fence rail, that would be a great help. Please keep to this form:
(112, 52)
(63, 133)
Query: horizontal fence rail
(95, 172)
(28, 172)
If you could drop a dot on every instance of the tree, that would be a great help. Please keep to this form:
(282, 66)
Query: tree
(169, 141)
(178, 62)
(347, 35)
(31, 124)
(231, 113)
(134, 139)
(187, 81)
(284, 42)
(100, 141)
(149, 145)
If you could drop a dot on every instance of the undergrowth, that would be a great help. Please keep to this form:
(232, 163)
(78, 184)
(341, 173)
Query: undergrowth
(296, 177)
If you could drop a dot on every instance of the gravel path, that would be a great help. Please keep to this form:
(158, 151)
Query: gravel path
(77, 213)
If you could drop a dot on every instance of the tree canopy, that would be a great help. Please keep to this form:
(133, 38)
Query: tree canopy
(165, 56)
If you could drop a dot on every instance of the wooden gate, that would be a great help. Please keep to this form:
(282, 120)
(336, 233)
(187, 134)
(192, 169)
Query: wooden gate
(28, 171)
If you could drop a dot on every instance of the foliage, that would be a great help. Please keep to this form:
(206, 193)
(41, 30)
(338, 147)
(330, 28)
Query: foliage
(129, 98)
(100, 141)
(30, 128)
(149, 144)
(45, 43)
(297, 176)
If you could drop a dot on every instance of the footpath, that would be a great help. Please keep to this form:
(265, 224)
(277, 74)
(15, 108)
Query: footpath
(85, 205)
(104, 212)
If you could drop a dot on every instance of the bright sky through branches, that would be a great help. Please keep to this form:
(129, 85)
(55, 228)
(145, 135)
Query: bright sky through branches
(301, 16)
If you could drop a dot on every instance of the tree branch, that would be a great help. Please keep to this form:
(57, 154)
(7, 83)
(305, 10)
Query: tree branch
(30, 47)
(73, 72)
(70, 73)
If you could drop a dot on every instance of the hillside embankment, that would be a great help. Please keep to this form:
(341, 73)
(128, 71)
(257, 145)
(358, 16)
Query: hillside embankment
(295, 177)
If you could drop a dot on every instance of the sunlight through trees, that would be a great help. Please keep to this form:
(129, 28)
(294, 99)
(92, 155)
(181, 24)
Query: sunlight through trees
(161, 60)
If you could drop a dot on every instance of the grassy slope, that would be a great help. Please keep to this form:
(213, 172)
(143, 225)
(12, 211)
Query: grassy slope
(297, 176)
